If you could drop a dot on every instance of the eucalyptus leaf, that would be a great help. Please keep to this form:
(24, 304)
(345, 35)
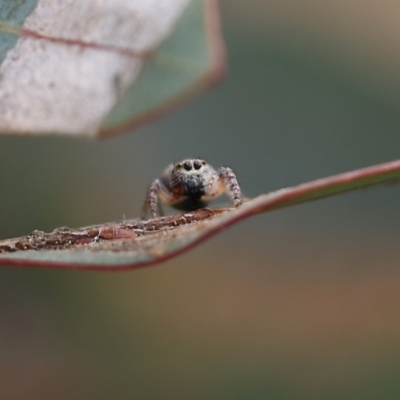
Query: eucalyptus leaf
(135, 243)
(94, 67)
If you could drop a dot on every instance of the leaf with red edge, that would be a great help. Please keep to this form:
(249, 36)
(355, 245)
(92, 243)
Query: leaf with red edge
(135, 243)
(95, 67)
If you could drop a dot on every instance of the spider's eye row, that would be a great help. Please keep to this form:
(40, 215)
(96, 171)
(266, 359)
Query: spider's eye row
(187, 165)
(197, 164)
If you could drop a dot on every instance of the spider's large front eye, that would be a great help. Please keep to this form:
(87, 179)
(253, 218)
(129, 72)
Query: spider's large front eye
(187, 165)
(197, 164)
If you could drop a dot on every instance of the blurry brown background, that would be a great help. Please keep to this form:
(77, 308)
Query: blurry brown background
(299, 303)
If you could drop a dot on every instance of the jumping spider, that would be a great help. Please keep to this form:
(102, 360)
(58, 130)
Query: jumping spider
(186, 184)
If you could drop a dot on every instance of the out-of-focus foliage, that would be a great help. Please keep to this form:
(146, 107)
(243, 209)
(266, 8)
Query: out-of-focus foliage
(89, 68)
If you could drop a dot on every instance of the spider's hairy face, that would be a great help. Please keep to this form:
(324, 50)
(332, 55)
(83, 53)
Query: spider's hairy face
(191, 178)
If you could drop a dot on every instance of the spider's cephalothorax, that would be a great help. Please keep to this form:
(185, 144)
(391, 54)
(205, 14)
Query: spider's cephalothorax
(189, 183)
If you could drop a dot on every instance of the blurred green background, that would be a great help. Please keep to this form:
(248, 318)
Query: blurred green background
(299, 303)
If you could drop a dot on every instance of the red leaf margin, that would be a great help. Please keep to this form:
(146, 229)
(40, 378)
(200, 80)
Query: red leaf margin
(321, 188)
(215, 74)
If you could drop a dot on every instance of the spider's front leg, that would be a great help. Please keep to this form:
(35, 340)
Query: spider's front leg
(152, 201)
(232, 188)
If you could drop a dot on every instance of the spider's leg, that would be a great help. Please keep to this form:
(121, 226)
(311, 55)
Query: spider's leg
(232, 188)
(160, 210)
(152, 199)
